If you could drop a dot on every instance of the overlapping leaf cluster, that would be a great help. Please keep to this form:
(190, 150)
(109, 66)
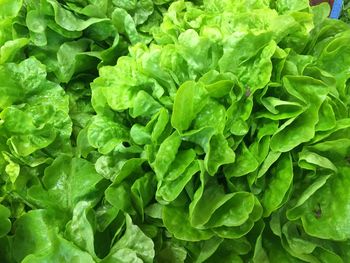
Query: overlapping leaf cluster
(345, 14)
(213, 131)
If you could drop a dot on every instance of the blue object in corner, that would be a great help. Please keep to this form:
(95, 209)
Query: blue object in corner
(336, 9)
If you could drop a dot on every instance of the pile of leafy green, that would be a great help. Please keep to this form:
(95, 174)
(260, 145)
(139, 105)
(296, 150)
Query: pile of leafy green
(173, 131)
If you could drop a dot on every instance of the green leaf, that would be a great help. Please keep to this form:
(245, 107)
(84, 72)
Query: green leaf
(177, 223)
(172, 253)
(244, 164)
(67, 181)
(168, 190)
(68, 21)
(189, 101)
(278, 186)
(166, 154)
(218, 154)
(5, 224)
(79, 229)
(62, 250)
(119, 197)
(11, 48)
(31, 226)
(143, 192)
(105, 134)
(302, 128)
(134, 241)
(319, 214)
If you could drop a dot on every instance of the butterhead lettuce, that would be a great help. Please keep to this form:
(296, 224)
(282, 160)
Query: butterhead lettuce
(173, 131)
